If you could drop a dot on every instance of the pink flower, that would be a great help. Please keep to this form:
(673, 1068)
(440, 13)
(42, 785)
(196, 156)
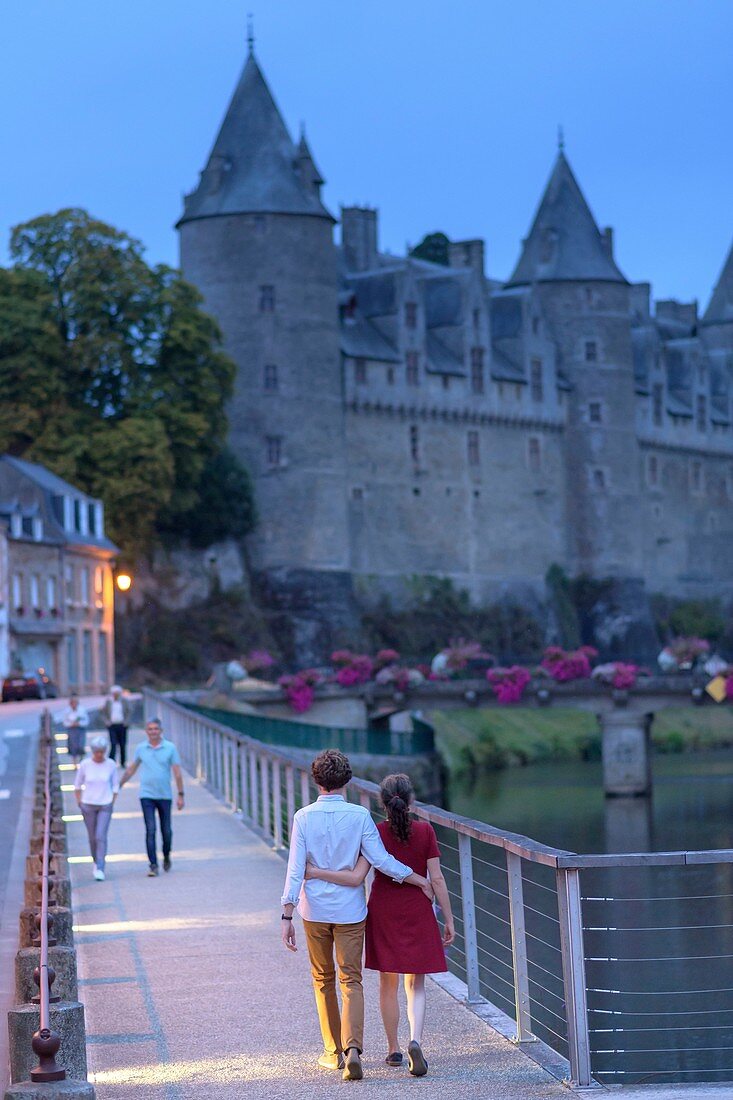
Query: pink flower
(729, 687)
(564, 666)
(386, 657)
(508, 683)
(258, 660)
(299, 688)
(625, 675)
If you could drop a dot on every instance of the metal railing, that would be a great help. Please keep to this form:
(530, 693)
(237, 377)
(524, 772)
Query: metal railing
(571, 947)
(46, 1042)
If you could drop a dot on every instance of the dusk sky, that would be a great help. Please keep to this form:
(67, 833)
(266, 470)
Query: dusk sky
(443, 115)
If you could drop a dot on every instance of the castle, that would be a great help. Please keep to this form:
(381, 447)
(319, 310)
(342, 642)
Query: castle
(404, 418)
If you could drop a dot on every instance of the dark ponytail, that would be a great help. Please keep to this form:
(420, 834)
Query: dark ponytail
(397, 794)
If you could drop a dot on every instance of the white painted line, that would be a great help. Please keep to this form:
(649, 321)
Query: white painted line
(10, 735)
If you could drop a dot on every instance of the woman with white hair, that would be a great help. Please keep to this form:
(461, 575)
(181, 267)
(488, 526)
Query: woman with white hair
(96, 787)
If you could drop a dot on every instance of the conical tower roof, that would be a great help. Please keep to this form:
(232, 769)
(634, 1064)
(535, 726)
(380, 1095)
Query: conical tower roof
(253, 166)
(720, 309)
(564, 242)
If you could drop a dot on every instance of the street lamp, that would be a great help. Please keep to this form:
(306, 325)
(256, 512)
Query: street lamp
(124, 582)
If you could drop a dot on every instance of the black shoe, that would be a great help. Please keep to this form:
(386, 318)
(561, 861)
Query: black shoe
(167, 863)
(352, 1065)
(394, 1059)
(416, 1059)
(153, 870)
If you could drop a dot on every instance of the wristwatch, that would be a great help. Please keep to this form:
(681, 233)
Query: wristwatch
(283, 917)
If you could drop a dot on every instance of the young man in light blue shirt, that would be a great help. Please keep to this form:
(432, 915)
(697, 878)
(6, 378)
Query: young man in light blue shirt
(157, 758)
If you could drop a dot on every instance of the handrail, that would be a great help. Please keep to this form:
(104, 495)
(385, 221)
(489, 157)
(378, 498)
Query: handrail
(46, 1042)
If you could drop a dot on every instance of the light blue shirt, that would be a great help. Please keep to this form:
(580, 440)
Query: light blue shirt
(332, 833)
(155, 768)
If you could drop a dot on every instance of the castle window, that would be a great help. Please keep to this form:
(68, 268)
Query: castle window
(412, 373)
(477, 370)
(267, 299)
(476, 318)
(729, 483)
(701, 413)
(272, 382)
(657, 403)
(360, 372)
(696, 480)
(446, 381)
(652, 470)
(535, 326)
(473, 449)
(357, 493)
(274, 450)
(411, 314)
(598, 479)
(534, 453)
(414, 443)
(390, 376)
(591, 351)
(536, 379)
(595, 412)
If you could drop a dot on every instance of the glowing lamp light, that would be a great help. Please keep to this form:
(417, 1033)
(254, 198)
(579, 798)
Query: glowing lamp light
(124, 582)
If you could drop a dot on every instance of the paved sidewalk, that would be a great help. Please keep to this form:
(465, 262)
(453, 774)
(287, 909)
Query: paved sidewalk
(190, 996)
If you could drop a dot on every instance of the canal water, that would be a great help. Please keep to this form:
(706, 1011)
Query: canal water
(658, 941)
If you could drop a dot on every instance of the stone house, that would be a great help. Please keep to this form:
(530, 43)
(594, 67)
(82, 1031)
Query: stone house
(56, 579)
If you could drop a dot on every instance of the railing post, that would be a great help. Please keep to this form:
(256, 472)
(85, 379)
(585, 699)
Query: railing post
(277, 804)
(573, 969)
(290, 795)
(465, 863)
(254, 793)
(199, 758)
(265, 788)
(243, 784)
(305, 794)
(519, 948)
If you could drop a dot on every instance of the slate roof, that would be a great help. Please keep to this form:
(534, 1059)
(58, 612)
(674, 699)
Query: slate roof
(441, 359)
(361, 340)
(564, 242)
(253, 166)
(720, 309)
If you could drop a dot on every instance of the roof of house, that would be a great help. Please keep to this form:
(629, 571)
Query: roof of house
(720, 308)
(253, 166)
(564, 242)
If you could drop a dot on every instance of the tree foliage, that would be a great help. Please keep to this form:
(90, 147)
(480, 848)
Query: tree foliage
(433, 247)
(117, 380)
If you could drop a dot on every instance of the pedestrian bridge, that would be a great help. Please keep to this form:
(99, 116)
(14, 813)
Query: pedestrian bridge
(190, 995)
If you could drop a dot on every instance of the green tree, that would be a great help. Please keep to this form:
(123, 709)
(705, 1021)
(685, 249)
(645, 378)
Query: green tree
(433, 247)
(225, 503)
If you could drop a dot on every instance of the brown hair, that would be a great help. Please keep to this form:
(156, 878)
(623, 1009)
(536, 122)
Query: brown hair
(397, 794)
(331, 769)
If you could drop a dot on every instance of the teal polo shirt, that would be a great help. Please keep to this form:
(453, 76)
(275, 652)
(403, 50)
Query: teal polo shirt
(155, 768)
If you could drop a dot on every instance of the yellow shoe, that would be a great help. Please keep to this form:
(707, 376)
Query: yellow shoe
(331, 1061)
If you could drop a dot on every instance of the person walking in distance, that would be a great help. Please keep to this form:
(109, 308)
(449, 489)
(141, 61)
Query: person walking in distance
(157, 758)
(96, 787)
(331, 833)
(402, 934)
(75, 720)
(116, 717)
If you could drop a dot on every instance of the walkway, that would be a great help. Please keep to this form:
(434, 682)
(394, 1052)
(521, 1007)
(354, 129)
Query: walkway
(190, 996)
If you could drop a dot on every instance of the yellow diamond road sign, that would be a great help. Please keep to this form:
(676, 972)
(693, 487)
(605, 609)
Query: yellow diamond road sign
(716, 688)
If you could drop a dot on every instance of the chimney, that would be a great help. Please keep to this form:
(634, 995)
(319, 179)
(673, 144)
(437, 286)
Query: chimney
(607, 241)
(640, 300)
(359, 237)
(684, 313)
(467, 254)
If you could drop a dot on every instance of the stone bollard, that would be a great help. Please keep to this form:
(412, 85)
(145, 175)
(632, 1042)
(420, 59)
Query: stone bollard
(67, 1018)
(53, 1090)
(58, 843)
(59, 891)
(57, 865)
(61, 926)
(63, 961)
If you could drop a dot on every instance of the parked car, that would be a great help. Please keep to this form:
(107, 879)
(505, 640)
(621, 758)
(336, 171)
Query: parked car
(29, 685)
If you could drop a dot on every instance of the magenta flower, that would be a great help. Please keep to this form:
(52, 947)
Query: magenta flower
(508, 683)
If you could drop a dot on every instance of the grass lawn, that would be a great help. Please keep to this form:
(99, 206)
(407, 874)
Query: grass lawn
(500, 738)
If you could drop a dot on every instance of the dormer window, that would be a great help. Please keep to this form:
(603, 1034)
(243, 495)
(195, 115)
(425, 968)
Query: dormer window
(591, 351)
(410, 314)
(267, 298)
(595, 412)
(16, 525)
(92, 519)
(77, 516)
(477, 370)
(657, 403)
(37, 528)
(360, 372)
(536, 380)
(412, 368)
(272, 382)
(701, 413)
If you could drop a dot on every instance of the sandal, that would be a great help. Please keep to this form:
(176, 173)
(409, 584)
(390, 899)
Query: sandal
(416, 1059)
(394, 1059)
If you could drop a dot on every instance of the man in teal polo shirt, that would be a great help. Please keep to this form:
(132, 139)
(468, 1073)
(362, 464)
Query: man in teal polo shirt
(157, 758)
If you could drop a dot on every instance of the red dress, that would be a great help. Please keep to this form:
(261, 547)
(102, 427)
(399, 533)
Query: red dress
(402, 934)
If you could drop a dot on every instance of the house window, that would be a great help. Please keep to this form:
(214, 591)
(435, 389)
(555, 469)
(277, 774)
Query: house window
(72, 666)
(652, 470)
(534, 453)
(35, 591)
(591, 351)
(473, 449)
(414, 443)
(103, 656)
(37, 528)
(274, 450)
(701, 413)
(51, 597)
(595, 412)
(390, 376)
(86, 650)
(77, 515)
(17, 591)
(84, 585)
(267, 298)
(696, 476)
(272, 382)
(413, 373)
(477, 370)
(657, 403)
(16, 525)
(69, 582)
(536, 379)
(99, 583)
(92, 519)
(411, 314)
(360, 372)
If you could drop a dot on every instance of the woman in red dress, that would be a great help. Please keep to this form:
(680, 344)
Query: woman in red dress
(402, 934)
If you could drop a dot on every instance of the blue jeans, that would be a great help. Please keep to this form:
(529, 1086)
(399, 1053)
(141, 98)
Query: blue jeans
(163, 806)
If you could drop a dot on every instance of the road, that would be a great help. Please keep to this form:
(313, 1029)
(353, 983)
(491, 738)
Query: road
(19, 724)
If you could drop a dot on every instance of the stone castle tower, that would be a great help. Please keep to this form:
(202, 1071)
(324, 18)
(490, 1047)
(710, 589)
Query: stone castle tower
(404, 418)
